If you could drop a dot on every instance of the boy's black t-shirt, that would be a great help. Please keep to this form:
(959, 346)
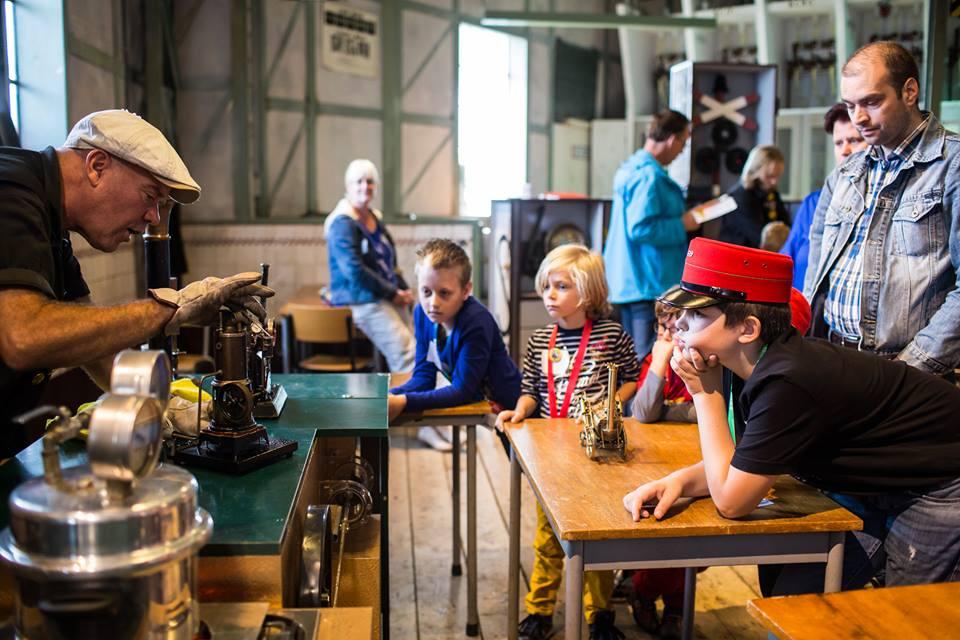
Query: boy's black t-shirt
(845, 421)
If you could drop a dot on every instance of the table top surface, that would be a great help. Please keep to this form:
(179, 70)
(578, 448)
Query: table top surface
(480, 408)
(869, 614)
(584, 498)
(250, 511)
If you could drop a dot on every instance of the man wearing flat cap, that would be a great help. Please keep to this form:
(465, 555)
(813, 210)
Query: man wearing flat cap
(879, 436)
(105, 183)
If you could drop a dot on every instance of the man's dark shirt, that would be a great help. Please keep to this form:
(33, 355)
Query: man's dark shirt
(35, 253)
(845, 421)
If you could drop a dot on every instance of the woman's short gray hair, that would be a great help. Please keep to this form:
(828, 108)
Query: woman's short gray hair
(759, 157)
(361, 168)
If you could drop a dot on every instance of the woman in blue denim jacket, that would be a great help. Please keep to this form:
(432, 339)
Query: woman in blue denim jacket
(363, 269)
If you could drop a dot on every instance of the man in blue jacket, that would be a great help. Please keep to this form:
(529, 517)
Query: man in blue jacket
(647, 239)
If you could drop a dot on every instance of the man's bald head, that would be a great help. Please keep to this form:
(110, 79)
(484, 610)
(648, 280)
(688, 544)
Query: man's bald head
(899, 64)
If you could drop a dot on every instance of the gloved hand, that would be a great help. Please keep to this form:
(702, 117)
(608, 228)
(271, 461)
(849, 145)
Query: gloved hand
(200, 302)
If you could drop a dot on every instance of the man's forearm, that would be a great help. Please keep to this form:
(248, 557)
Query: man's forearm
(38, 333)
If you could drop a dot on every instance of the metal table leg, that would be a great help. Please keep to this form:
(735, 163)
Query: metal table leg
(689, 600)
(455, 568)
(473, 617)
(833, 580)
(513, 570)
(573, 577)
(384, 539)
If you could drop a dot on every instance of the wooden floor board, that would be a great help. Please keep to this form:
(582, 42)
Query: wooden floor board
(427, 603)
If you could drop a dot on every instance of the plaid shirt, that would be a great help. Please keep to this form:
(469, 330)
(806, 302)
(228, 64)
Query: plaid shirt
(842, 309)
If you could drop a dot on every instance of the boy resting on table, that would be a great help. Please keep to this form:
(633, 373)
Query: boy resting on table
(878, 435)
(457, 339)
(663, 395)
(564, 359)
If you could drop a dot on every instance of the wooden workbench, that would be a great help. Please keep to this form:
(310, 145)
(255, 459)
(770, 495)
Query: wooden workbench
(905, 613)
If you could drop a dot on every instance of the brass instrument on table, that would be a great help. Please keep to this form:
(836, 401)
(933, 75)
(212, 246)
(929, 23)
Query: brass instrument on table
(603, 435)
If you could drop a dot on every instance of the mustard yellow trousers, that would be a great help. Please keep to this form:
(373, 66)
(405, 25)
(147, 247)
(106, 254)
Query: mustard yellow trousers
(548, 570)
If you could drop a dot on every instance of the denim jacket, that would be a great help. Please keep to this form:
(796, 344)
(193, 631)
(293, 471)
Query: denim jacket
(354, 278)
(911, 300)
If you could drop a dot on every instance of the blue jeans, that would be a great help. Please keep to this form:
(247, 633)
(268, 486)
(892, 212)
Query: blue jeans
(640, 321)
(913, 535)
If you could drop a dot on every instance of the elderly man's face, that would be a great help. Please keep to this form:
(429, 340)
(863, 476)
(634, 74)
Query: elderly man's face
(123, 202)
(881, 117)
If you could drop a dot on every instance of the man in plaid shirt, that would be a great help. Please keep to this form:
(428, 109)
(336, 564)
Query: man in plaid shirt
(885, 239)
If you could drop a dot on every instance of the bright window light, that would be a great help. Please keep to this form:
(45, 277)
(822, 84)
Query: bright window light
(492, 118)
(10, 39)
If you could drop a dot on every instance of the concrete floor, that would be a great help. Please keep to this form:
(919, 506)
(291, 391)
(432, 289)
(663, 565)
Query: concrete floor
(427, 602)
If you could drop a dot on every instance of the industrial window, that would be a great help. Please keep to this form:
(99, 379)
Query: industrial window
(10, 93)
(491, 118)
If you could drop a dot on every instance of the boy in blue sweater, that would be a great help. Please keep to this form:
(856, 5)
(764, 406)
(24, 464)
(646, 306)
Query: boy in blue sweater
(457, 338)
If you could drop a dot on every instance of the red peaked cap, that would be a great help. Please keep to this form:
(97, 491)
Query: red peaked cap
(729, 272)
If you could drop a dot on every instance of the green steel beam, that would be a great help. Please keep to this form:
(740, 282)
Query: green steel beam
(426, 165)
(428, 119)
(240, 112)
(426, 60)
(391, 16)
(187, 21)
(262, 205)
(169, 49)
(153, 64)
(282, 47)
(935, 52)
(119, 73)
(291, 152)
(89, 53)
(455, 125)
(429, 9)
(310, 115)
(322, 108)
(205, 83)
(591, 21)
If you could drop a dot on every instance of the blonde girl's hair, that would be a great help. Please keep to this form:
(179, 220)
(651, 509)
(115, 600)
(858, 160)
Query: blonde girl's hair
(759, 157)
(586, 271)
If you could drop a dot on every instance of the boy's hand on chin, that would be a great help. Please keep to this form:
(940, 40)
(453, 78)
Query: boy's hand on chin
(701, 375)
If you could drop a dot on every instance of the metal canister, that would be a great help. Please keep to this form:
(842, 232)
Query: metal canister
(91, 564)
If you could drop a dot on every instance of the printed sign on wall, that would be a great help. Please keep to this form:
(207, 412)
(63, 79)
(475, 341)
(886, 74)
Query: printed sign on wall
(351, 40)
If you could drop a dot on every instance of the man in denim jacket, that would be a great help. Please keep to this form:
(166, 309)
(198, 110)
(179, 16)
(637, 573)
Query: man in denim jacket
(884, 244)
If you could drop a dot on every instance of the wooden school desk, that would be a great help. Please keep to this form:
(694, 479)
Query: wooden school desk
(583, 501)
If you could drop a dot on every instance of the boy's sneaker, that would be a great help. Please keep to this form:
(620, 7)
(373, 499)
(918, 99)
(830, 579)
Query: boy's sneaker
(602, 627)
(535, 627)
(645, 614)
(671, 628)
(430, 437)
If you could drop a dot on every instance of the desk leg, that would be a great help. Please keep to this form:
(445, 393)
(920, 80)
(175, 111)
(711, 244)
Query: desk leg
(513, 571)
(455, 568)
(689, 600)
(833, 580)
(384, 539)
(473, 618)
(573, 605)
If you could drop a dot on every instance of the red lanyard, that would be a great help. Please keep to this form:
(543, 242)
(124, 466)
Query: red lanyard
(574, 373)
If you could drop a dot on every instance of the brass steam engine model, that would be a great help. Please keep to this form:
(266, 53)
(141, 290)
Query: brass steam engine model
(603, 435)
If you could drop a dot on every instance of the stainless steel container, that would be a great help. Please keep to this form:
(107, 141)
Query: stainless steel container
(90, 566)
(108, 550)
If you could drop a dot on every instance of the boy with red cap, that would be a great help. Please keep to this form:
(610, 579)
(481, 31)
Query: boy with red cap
(879, 436)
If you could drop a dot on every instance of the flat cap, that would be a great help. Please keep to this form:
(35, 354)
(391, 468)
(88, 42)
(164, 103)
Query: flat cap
(131, 138)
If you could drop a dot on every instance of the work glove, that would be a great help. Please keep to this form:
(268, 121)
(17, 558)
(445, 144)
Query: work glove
(199, 302)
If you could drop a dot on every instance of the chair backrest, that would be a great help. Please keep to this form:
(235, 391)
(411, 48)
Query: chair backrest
(313, 323)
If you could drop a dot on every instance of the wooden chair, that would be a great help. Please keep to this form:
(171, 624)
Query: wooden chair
(313, 324)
